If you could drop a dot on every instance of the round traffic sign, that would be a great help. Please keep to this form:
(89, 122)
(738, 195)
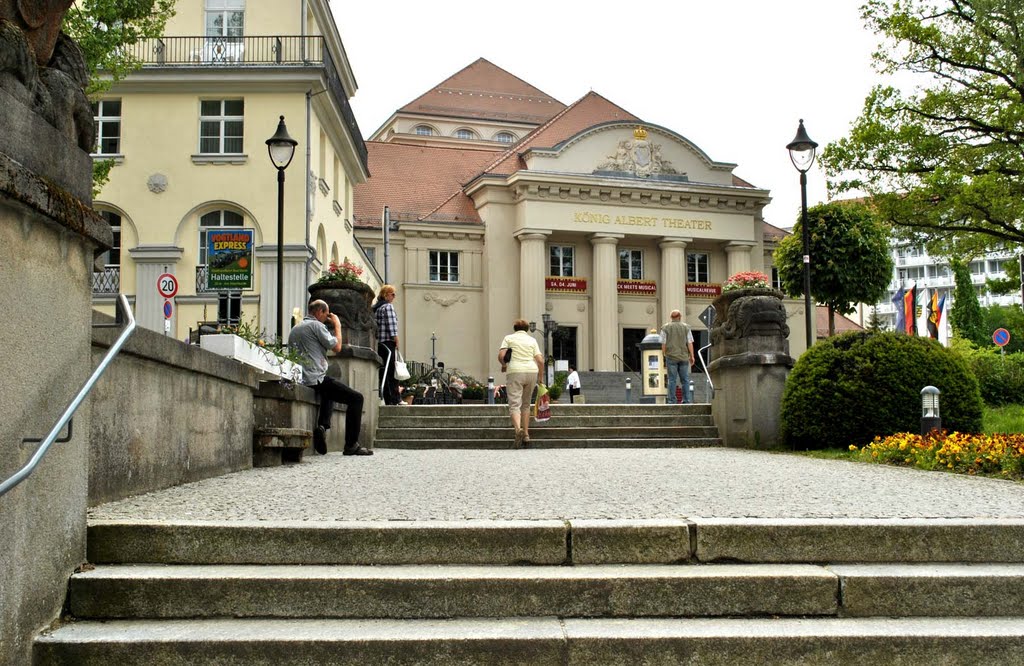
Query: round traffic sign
(168, 310)
(1001, 337)
(167, 285)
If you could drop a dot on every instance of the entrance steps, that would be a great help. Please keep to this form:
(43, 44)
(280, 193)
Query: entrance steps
(570, 426)
(702, 591)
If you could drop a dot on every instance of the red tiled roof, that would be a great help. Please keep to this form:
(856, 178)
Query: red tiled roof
(589, 110)
(413, 180)
(482, 90)
(843, 323)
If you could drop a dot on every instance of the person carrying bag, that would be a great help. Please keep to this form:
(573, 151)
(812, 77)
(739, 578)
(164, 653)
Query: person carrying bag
(524, 369)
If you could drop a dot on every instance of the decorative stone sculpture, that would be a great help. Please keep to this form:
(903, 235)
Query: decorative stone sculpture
(746, 314)
(351, 302)
(43, 69)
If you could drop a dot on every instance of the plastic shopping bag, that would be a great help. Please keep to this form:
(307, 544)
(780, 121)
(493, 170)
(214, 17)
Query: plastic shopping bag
(542, 408)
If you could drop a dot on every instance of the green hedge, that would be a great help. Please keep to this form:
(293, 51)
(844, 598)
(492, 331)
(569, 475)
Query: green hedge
(1001, 377)
(853, 387)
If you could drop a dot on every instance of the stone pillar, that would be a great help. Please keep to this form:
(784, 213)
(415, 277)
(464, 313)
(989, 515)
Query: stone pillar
(738, 257)
(749, 365)
(604, 331)
(533, 267)
(295, 295)
(151, 261)
(673, 277)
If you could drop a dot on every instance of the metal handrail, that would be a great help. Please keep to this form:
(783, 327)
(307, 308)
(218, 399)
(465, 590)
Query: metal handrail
(625, 367)
(65, 418)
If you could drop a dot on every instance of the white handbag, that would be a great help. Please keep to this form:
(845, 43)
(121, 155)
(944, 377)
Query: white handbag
(401, 369)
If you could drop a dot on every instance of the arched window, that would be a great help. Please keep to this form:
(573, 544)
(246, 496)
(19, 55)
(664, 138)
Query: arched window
(215, 220)
(112, 257)
(504, 137)
(464, 134)
(424, 130)
(108, 281)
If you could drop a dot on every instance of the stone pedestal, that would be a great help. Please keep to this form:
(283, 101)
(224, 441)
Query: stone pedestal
(749, 366)
(351, 302)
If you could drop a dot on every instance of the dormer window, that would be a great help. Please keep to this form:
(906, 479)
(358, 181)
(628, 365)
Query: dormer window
(464, 134)
(504, 137)
(424, 130)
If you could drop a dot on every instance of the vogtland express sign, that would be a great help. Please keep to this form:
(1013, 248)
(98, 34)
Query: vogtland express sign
(229, 259)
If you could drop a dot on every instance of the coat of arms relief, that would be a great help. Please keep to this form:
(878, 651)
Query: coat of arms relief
(638, 156)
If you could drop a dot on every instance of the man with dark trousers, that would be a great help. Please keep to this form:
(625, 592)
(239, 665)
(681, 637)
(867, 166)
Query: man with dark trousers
(312, 339)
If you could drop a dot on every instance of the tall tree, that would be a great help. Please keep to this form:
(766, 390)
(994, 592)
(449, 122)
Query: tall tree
(850, 259)
(965, 313)
(948, 159)
(106, 30)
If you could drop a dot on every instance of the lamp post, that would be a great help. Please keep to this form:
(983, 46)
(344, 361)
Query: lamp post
(281, 148)
(801, 152)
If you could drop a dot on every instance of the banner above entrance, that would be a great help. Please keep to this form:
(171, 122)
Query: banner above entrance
(638, 287)
(703, 289)
(566, 284)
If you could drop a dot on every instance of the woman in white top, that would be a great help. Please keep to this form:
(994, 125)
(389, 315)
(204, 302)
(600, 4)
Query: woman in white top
(524, 370)
(572, 382)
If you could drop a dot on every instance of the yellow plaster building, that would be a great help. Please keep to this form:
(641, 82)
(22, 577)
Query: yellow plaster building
(187, 134)
(506, 203)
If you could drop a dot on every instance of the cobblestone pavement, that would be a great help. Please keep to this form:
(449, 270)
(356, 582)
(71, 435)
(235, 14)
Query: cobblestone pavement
(574, 483)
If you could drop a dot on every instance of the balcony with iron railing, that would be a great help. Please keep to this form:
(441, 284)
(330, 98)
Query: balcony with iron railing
(261, 52)
(107, 281)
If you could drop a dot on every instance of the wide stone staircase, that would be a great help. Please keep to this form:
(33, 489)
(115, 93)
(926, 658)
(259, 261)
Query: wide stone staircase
(570, 426)
(558, 592)
(610, 388)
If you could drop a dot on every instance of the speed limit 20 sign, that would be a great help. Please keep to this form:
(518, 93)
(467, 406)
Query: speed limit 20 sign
(167, 285)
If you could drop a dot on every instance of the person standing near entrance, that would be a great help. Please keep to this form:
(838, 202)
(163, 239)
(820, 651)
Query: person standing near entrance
(387, 343)
(677, 348)
(572, 382)
(312, 339)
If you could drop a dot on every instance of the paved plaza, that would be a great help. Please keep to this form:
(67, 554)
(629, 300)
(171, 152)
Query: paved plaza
(575, 484)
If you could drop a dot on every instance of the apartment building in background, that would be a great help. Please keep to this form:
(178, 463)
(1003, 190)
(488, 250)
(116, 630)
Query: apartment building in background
(187, 135)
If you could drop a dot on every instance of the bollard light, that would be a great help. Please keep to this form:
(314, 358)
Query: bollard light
(629, 388)
(490, 390)
(930, 419)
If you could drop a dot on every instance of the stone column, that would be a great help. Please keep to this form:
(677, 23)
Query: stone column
(738, 257)
(532, 269)
(295, 294)
(151, 261)
(673, 277)
(604, 331)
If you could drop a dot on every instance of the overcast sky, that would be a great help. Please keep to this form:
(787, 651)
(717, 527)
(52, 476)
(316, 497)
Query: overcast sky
(732, 76)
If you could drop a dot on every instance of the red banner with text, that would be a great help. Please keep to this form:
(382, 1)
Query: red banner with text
(703, 290)
(566, 284)
(638, 287)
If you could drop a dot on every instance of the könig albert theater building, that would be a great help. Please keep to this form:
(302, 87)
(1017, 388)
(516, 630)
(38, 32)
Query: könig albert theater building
(506, 203)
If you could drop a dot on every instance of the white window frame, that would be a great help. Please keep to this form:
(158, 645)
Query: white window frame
(500, 137)
(105, 124)
(698, 267)
(225, 9)
(221, 120)
(557, 255)
(465, 134)
(776, 280)
(423, 130)
(443, 266)
(215, 219)
(634, 268)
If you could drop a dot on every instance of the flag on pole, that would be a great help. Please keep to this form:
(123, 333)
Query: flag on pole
(921, 323)
(910, 311)
(943, 322)
(932, 323)
(901, 314)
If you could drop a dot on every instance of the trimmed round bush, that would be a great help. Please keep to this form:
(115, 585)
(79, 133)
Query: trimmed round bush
(853, 387)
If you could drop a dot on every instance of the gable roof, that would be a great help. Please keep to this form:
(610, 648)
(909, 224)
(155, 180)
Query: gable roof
(484, 91)
(413, 180)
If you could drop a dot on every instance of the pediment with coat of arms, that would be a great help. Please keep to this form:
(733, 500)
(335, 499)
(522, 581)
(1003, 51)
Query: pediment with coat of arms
(638, 157)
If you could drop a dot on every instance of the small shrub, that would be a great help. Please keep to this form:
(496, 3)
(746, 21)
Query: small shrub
(474, 393)
(555, 391)
(854, 387)
(1000, 377)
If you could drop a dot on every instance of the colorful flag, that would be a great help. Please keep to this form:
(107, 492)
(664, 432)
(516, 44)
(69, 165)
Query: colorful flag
(943, 322)
(901, 314)
(933, 315)
(910, 311)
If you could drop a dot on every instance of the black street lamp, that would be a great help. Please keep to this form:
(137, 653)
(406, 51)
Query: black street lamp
(550, 326)
(801, 151)
(281, 148)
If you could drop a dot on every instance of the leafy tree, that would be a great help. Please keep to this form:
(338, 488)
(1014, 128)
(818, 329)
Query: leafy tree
(947, 159)
(1008, 285)
(965, 314)
(106, 29)
(1009, 317)
(850, 259)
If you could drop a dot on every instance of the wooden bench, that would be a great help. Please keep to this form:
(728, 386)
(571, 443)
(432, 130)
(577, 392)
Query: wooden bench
(273, 446)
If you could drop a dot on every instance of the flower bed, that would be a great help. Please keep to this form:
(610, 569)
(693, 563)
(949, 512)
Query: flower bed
(999, 455)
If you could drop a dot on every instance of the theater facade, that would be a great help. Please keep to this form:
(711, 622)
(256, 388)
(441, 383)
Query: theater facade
(505, 203)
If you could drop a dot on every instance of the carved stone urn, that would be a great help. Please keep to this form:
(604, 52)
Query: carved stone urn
(749, 364)
(351, 301)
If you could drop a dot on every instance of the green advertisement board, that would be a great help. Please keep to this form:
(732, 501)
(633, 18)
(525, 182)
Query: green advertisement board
(229, 259)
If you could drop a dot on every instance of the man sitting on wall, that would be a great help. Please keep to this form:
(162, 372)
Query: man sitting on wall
(312, 339)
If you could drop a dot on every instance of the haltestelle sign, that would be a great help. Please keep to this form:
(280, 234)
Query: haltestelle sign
(703, 290)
